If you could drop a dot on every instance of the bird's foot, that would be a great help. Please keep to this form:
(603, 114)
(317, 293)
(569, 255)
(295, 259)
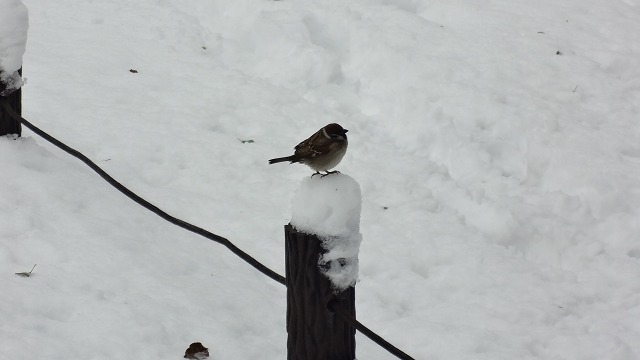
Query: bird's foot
(329, 173)
(316, 173)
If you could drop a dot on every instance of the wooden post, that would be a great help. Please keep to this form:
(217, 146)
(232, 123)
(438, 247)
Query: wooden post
(314, 332)
(7, 124)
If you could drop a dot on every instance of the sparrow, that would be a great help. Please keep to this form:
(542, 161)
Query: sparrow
(321, 151)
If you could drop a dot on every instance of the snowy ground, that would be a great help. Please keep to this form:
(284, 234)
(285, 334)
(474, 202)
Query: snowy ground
(496, 143)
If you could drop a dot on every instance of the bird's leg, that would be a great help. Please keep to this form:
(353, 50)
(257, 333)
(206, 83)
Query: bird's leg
(316, 173)
(330, 172)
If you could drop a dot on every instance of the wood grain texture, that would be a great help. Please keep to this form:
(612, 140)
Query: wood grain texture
(7, 124)
(314, 332)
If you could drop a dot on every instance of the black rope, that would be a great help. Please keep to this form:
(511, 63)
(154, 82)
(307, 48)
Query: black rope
(154, 209)
(334, 305)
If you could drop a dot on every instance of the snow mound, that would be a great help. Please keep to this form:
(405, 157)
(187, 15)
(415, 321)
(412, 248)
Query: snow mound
(329, 207)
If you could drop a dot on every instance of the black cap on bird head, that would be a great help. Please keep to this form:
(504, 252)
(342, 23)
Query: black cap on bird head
(335, 129)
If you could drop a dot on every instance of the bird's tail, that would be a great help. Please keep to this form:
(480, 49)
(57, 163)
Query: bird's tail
(282, 159)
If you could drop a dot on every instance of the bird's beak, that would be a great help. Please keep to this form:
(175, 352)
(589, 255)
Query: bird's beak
(345, 131)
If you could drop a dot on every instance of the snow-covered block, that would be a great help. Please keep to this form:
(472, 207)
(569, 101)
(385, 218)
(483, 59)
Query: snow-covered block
(14, 23)
(329, 207)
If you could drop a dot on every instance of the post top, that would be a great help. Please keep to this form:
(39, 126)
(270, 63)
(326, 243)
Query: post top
(327, 206)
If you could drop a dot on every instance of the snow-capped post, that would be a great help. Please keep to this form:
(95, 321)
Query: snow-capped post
(322, 244)
(14, 23)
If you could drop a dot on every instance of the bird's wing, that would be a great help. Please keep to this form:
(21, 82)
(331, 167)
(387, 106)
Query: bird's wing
(307, 148)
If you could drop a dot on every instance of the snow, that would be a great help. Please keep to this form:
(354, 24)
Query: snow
(14, 23)
(329, 207)
(496, 146)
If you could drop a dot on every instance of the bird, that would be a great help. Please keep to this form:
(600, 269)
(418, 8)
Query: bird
(322, 151)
